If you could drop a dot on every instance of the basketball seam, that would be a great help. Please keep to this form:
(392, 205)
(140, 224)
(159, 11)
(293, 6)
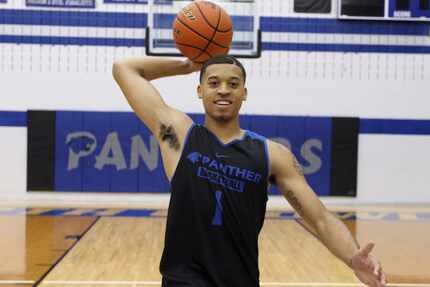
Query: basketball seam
(213, 35)
(191, 46)
(178, 19)
(203, 52)
(204, 37)
(207, 21)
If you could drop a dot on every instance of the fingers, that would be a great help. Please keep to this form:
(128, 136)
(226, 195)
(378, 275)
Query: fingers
(383, 279)
(192, 66)
(380, 275)
(376, 269)
(367, 249)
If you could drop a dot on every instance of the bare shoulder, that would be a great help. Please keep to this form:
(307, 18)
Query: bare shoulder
(278, 151)
(282, 160)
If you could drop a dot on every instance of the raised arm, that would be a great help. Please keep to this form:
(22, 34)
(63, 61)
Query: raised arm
(167, 124)
(134, 76)
(288, 176)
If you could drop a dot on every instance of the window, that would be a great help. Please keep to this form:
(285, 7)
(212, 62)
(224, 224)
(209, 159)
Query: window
(312, 6)
(366, 8)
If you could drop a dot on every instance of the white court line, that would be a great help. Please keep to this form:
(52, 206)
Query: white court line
(319, 284)
(6, 282)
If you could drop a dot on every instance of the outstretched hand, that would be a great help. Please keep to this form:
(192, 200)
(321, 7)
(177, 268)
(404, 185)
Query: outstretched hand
(367, 268)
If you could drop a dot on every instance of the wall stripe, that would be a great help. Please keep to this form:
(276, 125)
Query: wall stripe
(318, 47)
(334, 26)
(13, 119)
(267, 46)
(396, 127)
(81, 41)
(242, 23)
(367, 126)
(279, 33)
(73, 18)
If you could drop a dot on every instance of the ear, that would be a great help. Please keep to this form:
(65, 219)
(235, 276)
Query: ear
(245, 95)
(199, 91)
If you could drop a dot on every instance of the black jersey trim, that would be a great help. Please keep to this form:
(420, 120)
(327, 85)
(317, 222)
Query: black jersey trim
(229, 143)
(266, 148)
(187, 136)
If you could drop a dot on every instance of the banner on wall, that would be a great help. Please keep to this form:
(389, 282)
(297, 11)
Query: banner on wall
(125, 1)
(156, 2)
(115, 152)
(62, 3)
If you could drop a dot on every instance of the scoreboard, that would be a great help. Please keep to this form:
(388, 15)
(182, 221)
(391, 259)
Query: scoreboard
(412, 10)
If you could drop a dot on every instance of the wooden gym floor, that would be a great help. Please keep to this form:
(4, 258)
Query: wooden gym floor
(91, 247)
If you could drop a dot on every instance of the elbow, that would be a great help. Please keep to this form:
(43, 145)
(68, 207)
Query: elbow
(322, 222)
(117, 67)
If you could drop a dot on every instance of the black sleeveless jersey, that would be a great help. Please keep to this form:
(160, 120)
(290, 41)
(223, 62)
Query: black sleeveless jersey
(216, 211)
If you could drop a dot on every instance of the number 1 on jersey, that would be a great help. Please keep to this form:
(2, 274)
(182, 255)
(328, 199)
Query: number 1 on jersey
(217, 220)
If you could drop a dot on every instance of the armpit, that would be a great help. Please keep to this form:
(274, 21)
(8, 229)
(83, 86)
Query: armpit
(169, 135)
(272, 179)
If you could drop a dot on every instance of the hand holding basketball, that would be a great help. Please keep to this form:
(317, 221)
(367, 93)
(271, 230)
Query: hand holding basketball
(193, 66)
(202, 30)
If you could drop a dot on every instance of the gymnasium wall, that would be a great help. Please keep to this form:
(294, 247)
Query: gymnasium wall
(312, 65)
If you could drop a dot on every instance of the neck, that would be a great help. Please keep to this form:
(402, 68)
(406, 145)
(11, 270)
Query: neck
(225, 131)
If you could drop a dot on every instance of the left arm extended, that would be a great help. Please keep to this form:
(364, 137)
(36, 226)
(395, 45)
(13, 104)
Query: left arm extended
(288, 176)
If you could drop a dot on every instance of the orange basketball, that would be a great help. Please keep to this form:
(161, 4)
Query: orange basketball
(202, 30)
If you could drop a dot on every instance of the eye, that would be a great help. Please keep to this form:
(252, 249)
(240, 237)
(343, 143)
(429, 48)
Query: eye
(234, 85)
(213, 83)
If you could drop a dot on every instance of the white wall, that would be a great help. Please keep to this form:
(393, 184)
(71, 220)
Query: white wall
(391, 168)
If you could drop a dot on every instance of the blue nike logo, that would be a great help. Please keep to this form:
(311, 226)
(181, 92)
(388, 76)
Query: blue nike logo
(220, 155)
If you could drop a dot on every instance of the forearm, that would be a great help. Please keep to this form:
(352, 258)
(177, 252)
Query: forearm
(337, 238)
(152, 68)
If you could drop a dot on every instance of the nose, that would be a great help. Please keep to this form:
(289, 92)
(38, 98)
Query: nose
(223, 90)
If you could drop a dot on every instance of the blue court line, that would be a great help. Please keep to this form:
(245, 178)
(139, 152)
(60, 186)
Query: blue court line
(285, 215)
(136, 213)
(56, 212)
(423, 215)
(14, 211)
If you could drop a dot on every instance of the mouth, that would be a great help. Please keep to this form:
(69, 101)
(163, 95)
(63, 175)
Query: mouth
(222, 103)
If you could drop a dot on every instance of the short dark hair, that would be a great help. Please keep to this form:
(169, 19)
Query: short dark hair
(222, 59)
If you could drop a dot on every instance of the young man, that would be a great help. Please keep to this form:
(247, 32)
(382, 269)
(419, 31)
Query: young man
(219, 176)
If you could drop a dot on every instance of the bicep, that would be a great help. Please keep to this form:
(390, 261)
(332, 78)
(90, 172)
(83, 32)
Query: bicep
(142, 96)
(292, 184)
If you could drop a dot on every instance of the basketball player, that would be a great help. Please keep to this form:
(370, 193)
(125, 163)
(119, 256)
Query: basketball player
(219, 175)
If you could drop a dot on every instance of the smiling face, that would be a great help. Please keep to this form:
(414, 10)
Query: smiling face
(222, 90)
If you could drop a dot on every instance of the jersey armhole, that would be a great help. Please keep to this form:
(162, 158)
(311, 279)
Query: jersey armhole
(183, 149)
(267, 155)
(266, 148)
